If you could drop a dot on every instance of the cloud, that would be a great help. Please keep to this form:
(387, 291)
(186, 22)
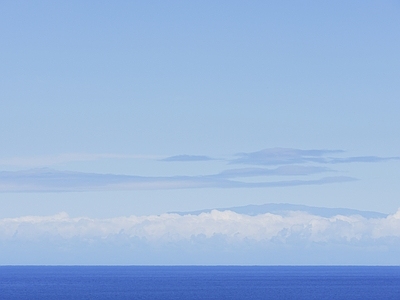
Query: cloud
(270, 156)
(279, 156)
(229, 226)
(52, 160)
(288, 162)
(48, 180)
(214, 237)
(187, 158)
(289, 156)
(361, 159)
(293, 170)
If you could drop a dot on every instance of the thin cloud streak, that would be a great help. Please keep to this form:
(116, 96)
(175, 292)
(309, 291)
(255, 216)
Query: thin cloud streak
(361, 159)
(187, 158)
(289, 156)
(51, 160)
(282, 156)
(288, 162)
(291, 170)
(47, 180)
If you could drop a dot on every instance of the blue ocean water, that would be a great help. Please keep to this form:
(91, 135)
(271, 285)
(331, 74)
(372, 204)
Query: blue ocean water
(198, 282)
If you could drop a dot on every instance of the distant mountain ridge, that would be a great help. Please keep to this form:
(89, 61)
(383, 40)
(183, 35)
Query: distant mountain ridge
(285, 208)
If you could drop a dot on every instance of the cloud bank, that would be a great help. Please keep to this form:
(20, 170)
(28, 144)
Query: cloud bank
(215, 237)
(232, 227)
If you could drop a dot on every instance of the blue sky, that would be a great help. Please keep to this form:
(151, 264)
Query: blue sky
(138, 108)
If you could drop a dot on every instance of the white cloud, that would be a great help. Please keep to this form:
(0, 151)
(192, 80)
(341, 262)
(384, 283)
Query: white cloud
(232, 227)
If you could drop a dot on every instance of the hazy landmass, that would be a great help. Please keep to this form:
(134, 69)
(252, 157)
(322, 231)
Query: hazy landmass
(285, 209)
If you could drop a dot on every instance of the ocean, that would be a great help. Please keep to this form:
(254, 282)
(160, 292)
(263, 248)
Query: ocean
(199, 282)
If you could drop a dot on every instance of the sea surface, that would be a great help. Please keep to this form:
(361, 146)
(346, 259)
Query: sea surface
(199, 282)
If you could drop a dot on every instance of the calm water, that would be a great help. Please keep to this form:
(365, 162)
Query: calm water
(199, 282)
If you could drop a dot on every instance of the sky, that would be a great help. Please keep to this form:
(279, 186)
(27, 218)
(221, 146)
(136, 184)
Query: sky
(114, 114)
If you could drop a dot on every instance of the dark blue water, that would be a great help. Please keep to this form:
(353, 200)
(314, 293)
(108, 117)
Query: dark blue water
(134, 282)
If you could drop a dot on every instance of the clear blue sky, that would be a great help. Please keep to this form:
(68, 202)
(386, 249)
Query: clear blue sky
(301, 99)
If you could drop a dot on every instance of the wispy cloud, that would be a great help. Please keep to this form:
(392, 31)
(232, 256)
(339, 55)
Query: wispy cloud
(281, 156)
(361, 159)
(48, 180)
(184, 158)
(51, 160)
(302, 165)
(289, 156)
(293, 170)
